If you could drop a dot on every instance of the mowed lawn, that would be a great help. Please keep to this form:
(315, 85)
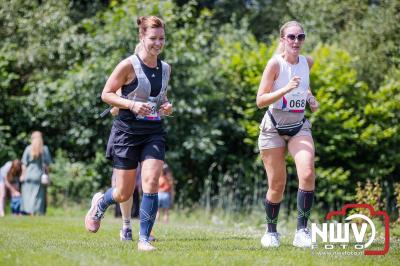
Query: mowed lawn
(60, 239)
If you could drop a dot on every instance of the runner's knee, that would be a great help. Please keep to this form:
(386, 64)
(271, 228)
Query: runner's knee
(307, 176)
(276, 190)
(121, 196)
(151, 182)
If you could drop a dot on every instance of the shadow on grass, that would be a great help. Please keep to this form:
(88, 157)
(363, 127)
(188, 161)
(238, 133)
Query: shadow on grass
(204, 238)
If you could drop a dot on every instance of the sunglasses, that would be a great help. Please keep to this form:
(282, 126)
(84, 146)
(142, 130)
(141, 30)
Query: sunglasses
(301, 37)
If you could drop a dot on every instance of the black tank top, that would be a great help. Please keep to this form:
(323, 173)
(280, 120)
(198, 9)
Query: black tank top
(126, 120)
(153, 74)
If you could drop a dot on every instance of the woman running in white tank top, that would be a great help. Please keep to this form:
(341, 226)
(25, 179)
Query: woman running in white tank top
(284, 89)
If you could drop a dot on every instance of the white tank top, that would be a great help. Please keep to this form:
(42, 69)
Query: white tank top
(294, 101)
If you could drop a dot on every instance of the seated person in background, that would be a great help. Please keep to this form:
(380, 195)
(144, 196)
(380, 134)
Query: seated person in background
(165, 193)
(9, 179)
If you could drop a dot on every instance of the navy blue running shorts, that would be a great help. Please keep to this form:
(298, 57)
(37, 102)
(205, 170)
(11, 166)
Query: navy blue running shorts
(154, 149)
(126, 150)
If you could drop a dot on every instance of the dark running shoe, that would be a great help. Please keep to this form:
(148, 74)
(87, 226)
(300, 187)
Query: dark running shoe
(125, 234)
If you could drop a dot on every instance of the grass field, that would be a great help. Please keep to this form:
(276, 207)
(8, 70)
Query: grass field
(189, 239)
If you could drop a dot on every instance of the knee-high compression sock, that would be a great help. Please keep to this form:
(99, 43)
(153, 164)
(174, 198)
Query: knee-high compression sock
(148, 212)
(107, 200)
(126, 211)
(304, 204)
(271, 211)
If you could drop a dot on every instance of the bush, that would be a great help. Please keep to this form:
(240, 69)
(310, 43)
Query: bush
(73, 181)
(370, 193)
(397, 193)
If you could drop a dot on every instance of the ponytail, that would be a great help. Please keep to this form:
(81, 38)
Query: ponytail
(280, 49)
(138, 48)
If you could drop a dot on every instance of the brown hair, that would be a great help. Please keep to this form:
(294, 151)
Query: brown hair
(145, 23)
(281, 47)
(15, 170)
(36, 144)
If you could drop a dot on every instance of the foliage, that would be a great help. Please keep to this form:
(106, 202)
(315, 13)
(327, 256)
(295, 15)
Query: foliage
(397, 194)
(368, 30)
(332, 188)
(55, 57)
(74, 181)
(264, 16)
(369, 193)
(379, 137)
(223, 109)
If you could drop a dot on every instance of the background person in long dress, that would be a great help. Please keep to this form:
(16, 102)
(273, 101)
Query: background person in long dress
(35, 162)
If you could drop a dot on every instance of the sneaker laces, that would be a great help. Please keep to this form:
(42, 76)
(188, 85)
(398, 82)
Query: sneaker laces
(305, 235)
(272, 233)
(98, 215)
(127, 233)
(274, 236)
(145, 242)
(307, 232)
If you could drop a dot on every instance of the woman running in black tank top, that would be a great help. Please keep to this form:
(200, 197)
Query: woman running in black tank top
(137, 134)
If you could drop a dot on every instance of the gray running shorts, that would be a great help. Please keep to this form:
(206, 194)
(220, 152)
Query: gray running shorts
(269, 137)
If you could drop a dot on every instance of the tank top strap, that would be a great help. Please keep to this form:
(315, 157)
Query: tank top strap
(303, 61)
(165, 79)
(143, 89)
(137, 67)
(279, 58)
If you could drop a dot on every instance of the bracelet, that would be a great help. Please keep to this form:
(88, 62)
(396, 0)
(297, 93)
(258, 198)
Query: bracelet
(309, 99)
(132, 106)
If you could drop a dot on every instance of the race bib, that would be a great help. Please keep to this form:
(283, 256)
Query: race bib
(154, 114)
(295, 101)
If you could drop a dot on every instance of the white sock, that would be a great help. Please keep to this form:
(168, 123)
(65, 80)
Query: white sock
(126, 211)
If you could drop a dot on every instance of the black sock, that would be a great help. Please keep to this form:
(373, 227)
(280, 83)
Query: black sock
(271, 211)
(304, 204)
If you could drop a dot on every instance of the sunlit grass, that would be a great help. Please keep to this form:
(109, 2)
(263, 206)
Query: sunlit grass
(191, 238)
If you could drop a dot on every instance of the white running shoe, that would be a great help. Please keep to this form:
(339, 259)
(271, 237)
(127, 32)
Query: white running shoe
(302, 238)
(270, 240)
(145, 246)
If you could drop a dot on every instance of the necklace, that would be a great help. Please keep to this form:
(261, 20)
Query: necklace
(154, 72)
